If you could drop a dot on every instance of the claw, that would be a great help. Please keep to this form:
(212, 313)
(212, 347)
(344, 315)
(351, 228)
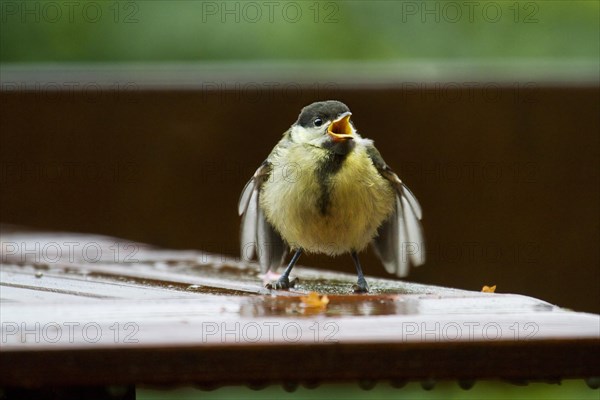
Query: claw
(282, 283)
(361, 286)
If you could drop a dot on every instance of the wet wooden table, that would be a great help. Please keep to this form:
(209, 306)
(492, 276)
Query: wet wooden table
(92, 311)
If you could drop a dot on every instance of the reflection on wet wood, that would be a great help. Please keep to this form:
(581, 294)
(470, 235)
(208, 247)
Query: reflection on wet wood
(136, 314)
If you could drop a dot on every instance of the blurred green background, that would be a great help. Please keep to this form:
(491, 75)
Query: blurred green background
(108, 30)
(568, 390)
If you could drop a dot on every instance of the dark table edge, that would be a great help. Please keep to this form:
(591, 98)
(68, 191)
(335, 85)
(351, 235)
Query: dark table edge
(546, 360)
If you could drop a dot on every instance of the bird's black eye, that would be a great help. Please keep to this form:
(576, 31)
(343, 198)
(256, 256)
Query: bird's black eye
(318, 122)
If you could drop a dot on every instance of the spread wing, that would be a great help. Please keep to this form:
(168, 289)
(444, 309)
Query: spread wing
(400, 241)
(257, 236)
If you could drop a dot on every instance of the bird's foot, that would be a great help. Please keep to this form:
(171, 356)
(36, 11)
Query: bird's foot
(360, 286)
(282, 283)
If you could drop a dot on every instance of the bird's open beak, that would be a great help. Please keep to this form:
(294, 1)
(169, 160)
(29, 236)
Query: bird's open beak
(340, 129)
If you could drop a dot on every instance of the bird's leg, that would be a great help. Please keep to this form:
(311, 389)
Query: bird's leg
(284, 280)
(361, 285)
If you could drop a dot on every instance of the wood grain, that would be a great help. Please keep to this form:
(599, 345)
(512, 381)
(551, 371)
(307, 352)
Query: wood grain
(184, 317)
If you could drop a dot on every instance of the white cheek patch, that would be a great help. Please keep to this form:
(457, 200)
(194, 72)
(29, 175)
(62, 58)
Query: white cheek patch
(305, 135)
(316, 136)
(360, 140)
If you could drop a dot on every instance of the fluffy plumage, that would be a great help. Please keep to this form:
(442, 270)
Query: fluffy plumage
(329, 192)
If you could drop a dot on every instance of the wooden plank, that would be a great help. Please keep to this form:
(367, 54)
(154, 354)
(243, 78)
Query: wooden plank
(208, 320)
(186, 317)
(10, 293)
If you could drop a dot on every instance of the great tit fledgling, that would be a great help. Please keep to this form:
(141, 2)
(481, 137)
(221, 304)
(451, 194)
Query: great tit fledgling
(325, 189)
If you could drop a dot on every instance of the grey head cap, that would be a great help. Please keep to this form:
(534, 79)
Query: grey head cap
(326, 110)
